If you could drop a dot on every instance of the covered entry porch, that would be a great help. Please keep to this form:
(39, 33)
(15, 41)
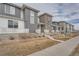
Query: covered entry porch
(42, 28)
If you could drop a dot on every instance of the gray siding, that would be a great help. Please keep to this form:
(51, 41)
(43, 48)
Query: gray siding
(32, 27)
(26, 18)
(17, 12)
(2, 10)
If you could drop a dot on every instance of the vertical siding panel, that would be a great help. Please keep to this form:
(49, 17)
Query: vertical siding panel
(32, 27)
(27, 18)
(1, 9)
(18, 12)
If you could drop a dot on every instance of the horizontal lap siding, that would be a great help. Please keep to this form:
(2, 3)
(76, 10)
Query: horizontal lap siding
(4, 26)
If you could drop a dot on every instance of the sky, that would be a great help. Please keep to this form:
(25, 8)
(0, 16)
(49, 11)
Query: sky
(68, 12)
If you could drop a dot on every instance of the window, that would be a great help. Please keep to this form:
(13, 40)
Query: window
(31, 17)
(12, 10)
(7, 10)
(12, 24)
(62, 28)
(15, 25)
(54, 28)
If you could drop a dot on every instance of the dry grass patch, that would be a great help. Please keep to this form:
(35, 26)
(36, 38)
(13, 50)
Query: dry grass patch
(25, 47)
(62, 37)
(65, 37)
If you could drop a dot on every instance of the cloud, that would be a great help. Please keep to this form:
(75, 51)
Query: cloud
(76, 26)
(74, 21)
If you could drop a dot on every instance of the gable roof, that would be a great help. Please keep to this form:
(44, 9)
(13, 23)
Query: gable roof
(11, 4)
(45, 14)
(25, 6)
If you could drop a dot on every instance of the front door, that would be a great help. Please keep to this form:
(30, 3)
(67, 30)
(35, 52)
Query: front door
(42, 28)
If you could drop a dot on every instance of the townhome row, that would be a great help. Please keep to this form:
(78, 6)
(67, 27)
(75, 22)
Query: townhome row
(62, 27)
(16, 19)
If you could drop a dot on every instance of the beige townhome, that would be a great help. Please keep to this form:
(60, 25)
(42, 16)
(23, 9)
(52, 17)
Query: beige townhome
(62, 27)
(66, 27)
(55, 27)
(45, 21)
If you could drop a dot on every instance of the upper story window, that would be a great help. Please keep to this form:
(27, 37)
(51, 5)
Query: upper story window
(12, 24)
(9, 10)
(32, 17)
(12, 10)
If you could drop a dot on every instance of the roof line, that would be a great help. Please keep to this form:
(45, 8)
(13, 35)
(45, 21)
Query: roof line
(25, 6)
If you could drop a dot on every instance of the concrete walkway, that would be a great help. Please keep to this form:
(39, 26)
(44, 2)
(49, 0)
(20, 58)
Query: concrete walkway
(48, 36)
(61, 49)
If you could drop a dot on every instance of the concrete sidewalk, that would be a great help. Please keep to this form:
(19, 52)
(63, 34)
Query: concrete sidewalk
(61, 49)
(48, 36)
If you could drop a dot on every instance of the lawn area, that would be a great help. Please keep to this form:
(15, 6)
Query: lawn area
(25, 47)
(75, 51)
(65, 37)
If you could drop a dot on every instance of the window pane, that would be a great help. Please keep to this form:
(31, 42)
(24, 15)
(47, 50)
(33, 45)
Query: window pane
(62, 28)
(10, 24)
(12, 10)
(32, 20)
(15, 24)
(7, 9)
(31, 17)
(32, 13)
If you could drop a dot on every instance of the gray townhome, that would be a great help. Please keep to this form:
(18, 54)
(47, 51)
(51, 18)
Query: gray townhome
(30, 18)
(16, 19)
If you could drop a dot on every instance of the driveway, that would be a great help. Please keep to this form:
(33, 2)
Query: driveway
(61, 49)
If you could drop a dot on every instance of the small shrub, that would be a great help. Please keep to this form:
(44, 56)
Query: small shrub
(39, 36)
(43, 35)
(35, 36)
(23, 37)
(11, 38)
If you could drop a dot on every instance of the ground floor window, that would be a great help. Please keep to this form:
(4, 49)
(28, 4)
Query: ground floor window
(12, 24)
